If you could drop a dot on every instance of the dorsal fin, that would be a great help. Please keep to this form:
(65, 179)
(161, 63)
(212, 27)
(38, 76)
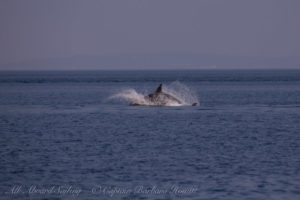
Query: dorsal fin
(159, 89)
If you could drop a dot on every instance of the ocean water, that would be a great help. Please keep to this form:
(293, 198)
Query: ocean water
(65, 135)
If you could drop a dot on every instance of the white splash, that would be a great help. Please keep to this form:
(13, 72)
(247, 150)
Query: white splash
(181, 92)
(178, 90)
(131, 96)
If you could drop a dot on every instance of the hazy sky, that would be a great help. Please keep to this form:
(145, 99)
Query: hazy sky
(35, 29)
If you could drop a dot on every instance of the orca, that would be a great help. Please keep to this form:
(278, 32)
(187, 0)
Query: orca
(160, 98)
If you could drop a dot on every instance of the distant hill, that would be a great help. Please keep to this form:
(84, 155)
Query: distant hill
(154, 61)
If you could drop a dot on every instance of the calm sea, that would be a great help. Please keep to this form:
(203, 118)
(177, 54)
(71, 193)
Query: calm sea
(63, 136)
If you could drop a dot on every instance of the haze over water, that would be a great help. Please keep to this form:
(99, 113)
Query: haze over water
(149, 34)
(69, 70)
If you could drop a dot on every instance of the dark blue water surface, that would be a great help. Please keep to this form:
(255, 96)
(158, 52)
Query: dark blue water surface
(62, 137)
